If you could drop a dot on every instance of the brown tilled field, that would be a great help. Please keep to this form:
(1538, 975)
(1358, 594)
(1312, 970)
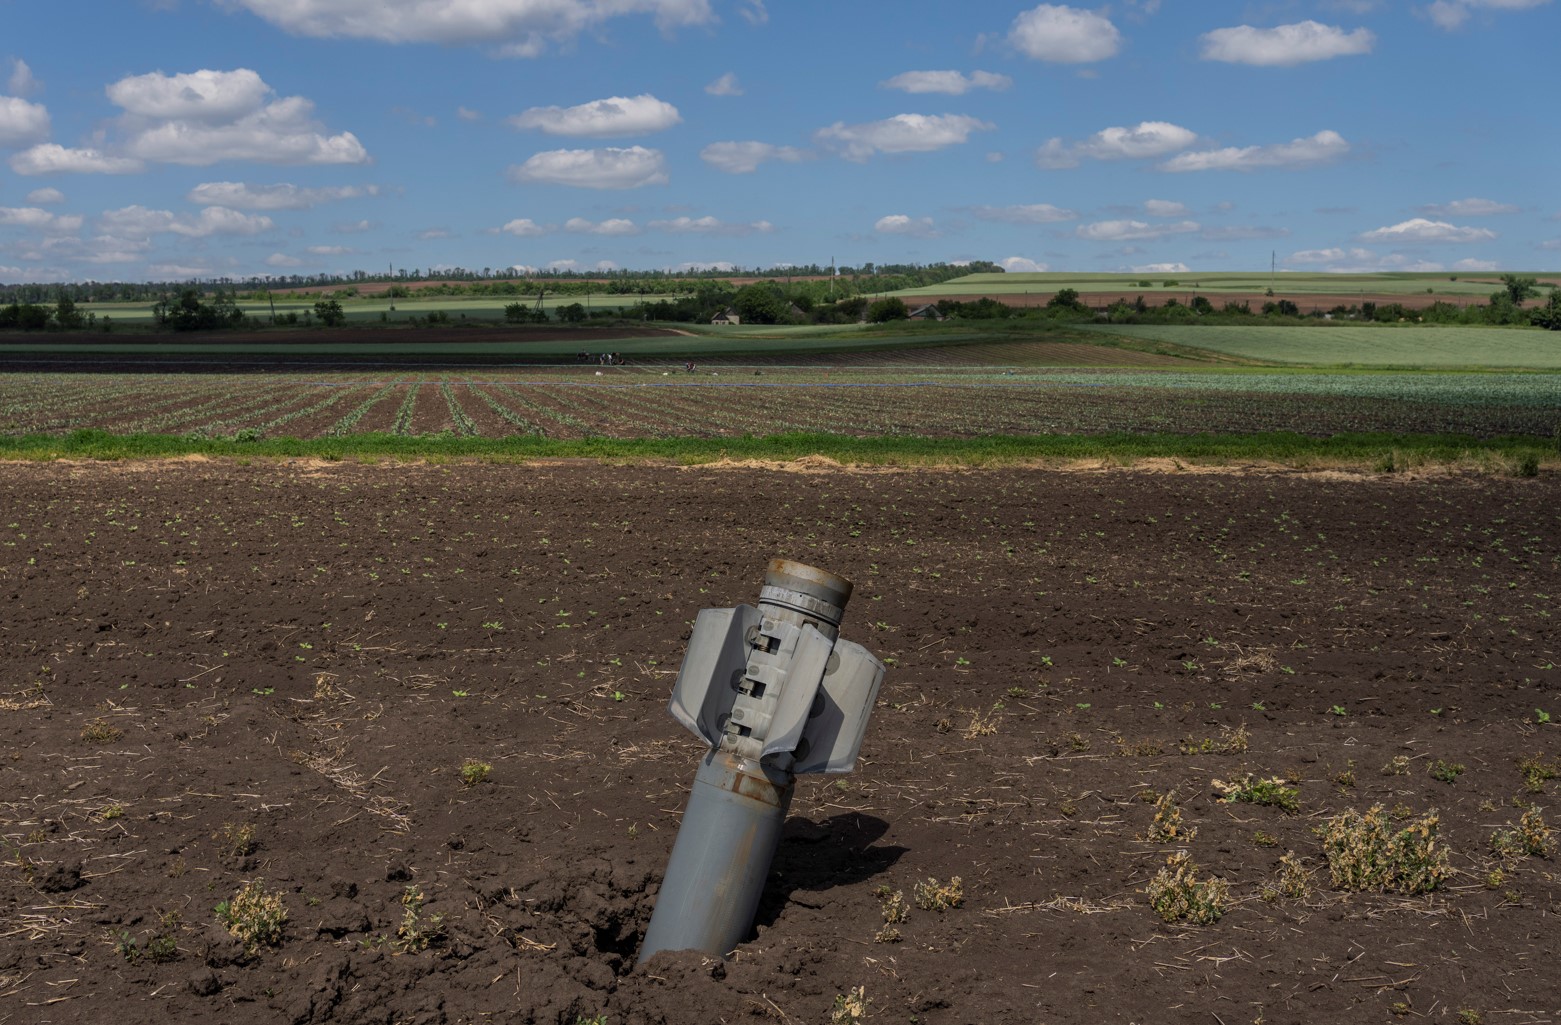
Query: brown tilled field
(403, 727)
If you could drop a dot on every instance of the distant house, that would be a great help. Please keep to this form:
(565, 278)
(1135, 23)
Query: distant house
(928, 312)
(726, 316)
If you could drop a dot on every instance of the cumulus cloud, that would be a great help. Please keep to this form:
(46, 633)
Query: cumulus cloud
(22, 122)
(21, 81)
(36, 218)
(1284, 45)
(1324, 147)
(354, 227)
(467, 114)
(726, 85)
(716, 265)
(523, 227)
(745, 157)
(1064, 35)
(1451, 14)
(1162, 268)
(283, 260)
(1419, 230)
(520, 28)
(45, 197)
(1127, 230)
(610, 226)
(52, 158)
(711, 226)
(1028, 213)
(903, 133)
(903, 224)
(242, 196)
(139, 222)
(330, 250)
(952, 83)
(1164, 208)
(1333, 255)
(1358, 261)
(1242, 232)
(1144, 140)
(1476, 265)
(616, 115)
(610, 168)
(1021, 265)
(203, 117)
(1468, 208)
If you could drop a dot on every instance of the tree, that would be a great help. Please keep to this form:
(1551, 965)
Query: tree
(66, 316)
(330, 313)
(1065, 299)
(1519, 289)
(517, 313)
(760, 303)
(887, 309)
(574, 313)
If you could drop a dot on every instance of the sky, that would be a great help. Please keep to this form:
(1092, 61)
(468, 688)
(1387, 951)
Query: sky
(200, 139)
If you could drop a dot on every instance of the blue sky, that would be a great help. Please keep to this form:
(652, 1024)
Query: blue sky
(170, 139)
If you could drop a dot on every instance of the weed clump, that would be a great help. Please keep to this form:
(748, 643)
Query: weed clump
(1293, 880)
(254, 916)
(1166, 826)
(99, 732)
(1447, 772)
(1229, 742)
(894, 913)
(474, 772)
(1251, 789)
(1531, 838)
(1177, 894)
(935, 896)
(235, 840)
(416, 931)
(1536, 773)
(850, 1007)
(1365, 852)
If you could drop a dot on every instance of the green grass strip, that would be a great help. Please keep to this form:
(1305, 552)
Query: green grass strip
(1381, 451)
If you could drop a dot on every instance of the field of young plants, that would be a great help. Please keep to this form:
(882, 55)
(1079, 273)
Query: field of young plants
(1353, 345)
(325, 743)
(725, 400)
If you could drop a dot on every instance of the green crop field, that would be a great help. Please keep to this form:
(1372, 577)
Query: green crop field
(1214, 284)
(381, 309)
(1360, 345)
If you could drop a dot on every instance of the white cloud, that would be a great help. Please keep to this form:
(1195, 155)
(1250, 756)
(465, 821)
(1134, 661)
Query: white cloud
(330, 250)
(1029, 213)
(1144, 140)
(903, 133)
(1322, 148)
(1418, 229)
(754, 13)
(524, 270)
(1476, 265)
(1334, 255)
(52, 158)
(902, 224)
(139, 222)
(616, 115)
(21, 81)
(1064, 35)
(467, 114)
(353, 227)
(716, 265)
(36, 218)
(1162, 268)
(1124, 231)
(1239, 232)
(210, 96)
(283, 260)
(745, 157)
(611, 226)
(1284, 45)
(711, 226)
(22, 122)
(563, 265)
(45, 197)
(280, 133)
(523, 227)
(726, 85)
(242, 196)
(519, 27)
(1451, 14)
(433, 234)
(1021, 265)
(176, 271)
(952, 83)
(1164, 208)
(610, 168)
(1468, 208)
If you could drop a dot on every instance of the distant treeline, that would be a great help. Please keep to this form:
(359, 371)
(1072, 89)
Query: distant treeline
(868, 277)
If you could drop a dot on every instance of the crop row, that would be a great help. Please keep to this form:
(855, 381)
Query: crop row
(1074, 402)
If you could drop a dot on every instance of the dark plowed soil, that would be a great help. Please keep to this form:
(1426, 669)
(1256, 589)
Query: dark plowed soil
(214, 675)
